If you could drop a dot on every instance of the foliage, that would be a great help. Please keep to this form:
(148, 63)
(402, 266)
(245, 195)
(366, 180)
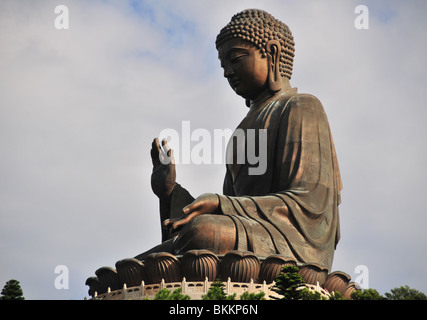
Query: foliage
(401, 293)
(217, 292)
(366, 294)
(289, 283)
(166, 294)
(405, 293)
(306, 294)
(252, 296)
(12, 291)
(337, 296)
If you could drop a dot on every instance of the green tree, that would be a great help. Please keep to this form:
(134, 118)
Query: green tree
(252, 296)
(405, 293)
(306, 294)
(337, 296)
(289, 284)
(217, 292)
(366, 294)
(166, 294)
(12, 291)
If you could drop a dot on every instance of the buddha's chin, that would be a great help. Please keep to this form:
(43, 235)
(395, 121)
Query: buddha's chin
(242, 93)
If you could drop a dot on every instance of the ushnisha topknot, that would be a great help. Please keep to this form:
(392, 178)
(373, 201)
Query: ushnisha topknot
(258, 27)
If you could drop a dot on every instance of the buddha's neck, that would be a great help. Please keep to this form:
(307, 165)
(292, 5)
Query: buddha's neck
(266, 96)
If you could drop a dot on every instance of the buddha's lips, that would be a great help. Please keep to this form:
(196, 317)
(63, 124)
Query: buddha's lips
(234, 83)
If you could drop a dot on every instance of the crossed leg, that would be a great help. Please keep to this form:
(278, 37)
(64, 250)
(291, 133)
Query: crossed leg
(213, 232)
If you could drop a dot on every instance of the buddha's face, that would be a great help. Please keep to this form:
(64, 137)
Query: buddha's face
(244, 67)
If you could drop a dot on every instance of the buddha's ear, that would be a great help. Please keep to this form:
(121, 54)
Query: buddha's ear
(273, 55)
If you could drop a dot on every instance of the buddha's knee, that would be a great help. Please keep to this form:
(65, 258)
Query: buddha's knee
(211, 232)
(199, 233)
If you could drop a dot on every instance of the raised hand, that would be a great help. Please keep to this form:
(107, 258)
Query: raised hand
(204, 204)
(164, 175)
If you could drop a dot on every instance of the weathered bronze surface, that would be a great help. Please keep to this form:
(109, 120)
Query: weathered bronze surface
(130, 271)
(338, 281)
(197, 265)
(240, 266)
(291, 209)
(272, 266)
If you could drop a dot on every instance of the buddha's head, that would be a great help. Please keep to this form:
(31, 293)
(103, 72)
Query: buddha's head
(256, 52)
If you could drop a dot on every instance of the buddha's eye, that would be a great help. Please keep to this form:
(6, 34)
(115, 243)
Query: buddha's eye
(237, 57)
(237, 54)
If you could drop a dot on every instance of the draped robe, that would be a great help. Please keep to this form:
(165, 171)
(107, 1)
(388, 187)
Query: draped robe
(294, 204)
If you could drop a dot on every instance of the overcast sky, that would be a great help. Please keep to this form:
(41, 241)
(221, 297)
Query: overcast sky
(80, 107)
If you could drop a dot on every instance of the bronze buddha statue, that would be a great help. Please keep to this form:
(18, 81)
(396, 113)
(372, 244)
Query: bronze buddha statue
(292, 208)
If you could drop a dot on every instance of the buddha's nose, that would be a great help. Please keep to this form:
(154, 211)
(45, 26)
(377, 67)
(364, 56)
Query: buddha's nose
(228, 71)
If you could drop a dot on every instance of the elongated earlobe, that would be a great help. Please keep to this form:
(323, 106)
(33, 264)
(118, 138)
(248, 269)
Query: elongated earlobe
(273, 56)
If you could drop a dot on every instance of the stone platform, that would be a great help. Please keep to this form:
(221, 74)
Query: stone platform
(195, 271)
(194, 289)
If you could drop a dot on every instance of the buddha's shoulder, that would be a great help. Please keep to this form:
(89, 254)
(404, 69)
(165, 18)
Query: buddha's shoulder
(301, 101)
